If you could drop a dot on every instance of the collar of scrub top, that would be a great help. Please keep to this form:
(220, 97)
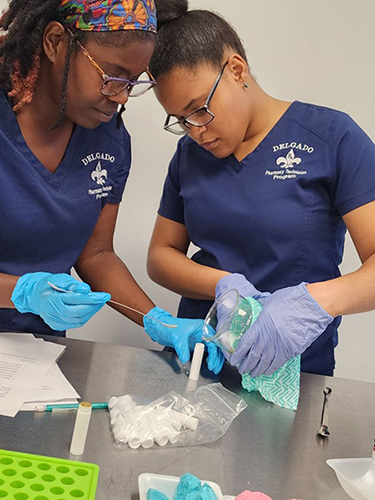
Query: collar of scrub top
(108, 15)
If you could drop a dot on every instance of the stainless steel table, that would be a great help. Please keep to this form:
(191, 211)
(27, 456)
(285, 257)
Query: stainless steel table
(266, 449)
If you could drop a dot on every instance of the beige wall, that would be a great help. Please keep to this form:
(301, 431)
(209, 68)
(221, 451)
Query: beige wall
(316, 51)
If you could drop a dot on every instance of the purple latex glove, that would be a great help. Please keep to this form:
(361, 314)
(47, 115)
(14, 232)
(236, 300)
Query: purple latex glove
(240, 283)
(290, 321)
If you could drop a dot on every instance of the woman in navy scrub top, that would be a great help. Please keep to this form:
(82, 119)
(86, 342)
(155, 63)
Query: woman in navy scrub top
(65, 68)
(266, 189)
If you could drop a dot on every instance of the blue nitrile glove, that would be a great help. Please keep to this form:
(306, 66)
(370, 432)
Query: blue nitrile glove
(215, 358)
(183, 338)
(290, 321)
(61, 311)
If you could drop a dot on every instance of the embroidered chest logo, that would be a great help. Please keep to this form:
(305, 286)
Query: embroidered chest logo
(287, 161)
(287, 165)
(99, 175)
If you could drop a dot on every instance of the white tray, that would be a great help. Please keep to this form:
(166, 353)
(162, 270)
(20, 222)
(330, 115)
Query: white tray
(356, 476)
(168, 485)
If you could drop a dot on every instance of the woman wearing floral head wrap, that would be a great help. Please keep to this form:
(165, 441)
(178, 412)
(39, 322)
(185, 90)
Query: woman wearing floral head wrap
(66, 66)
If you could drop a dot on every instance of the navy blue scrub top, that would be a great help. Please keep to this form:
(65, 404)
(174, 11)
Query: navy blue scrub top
(275, 216)
(46, 219)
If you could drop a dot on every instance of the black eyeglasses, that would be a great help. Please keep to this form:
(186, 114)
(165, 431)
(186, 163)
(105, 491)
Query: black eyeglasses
(198, 118)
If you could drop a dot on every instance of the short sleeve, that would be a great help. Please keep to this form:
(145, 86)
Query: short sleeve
(123, 170)
(353, 158)
(172, 203)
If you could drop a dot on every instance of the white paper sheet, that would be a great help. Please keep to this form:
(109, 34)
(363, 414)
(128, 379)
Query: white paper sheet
(31, 406)
(23, 362)
(11, 335)
(52, 388)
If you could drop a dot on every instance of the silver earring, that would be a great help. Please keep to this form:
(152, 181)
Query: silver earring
(245, 85)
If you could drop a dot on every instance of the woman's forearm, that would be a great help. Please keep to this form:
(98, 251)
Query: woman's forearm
(7, 284)
(348, 294)
(107, 273)
(171, 269)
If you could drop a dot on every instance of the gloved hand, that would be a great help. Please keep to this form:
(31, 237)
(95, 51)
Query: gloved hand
(289, 323)
(183, 338)
(215, 358)
(225, 309)
(61, 311)
(240, 283)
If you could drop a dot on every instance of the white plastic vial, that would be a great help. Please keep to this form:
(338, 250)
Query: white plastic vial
(196, 361)
(81, 427)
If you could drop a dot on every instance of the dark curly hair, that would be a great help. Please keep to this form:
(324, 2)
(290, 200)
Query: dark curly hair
(187, 38)
(21, 46)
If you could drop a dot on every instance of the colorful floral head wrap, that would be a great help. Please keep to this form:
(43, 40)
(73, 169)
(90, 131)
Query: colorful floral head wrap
(108, 15)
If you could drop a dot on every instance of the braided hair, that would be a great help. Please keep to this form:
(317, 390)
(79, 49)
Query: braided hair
(21, 46)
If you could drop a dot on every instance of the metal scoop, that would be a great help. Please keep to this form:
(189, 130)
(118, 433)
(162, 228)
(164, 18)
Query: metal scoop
(58, 289)
(323, 430)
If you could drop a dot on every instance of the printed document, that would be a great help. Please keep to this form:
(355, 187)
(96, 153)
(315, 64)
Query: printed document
(23, 364)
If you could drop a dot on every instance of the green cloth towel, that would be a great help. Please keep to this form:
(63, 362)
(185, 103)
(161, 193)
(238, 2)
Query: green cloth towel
(282, 386)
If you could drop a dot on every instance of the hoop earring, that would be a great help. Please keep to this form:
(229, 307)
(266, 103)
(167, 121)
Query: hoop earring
(245, 85)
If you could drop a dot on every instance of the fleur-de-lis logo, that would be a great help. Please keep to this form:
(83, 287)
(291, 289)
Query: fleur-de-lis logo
(99, 175)
(289, 160)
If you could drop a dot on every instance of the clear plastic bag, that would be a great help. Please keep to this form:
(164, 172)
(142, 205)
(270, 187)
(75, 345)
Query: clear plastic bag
(173, 419)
